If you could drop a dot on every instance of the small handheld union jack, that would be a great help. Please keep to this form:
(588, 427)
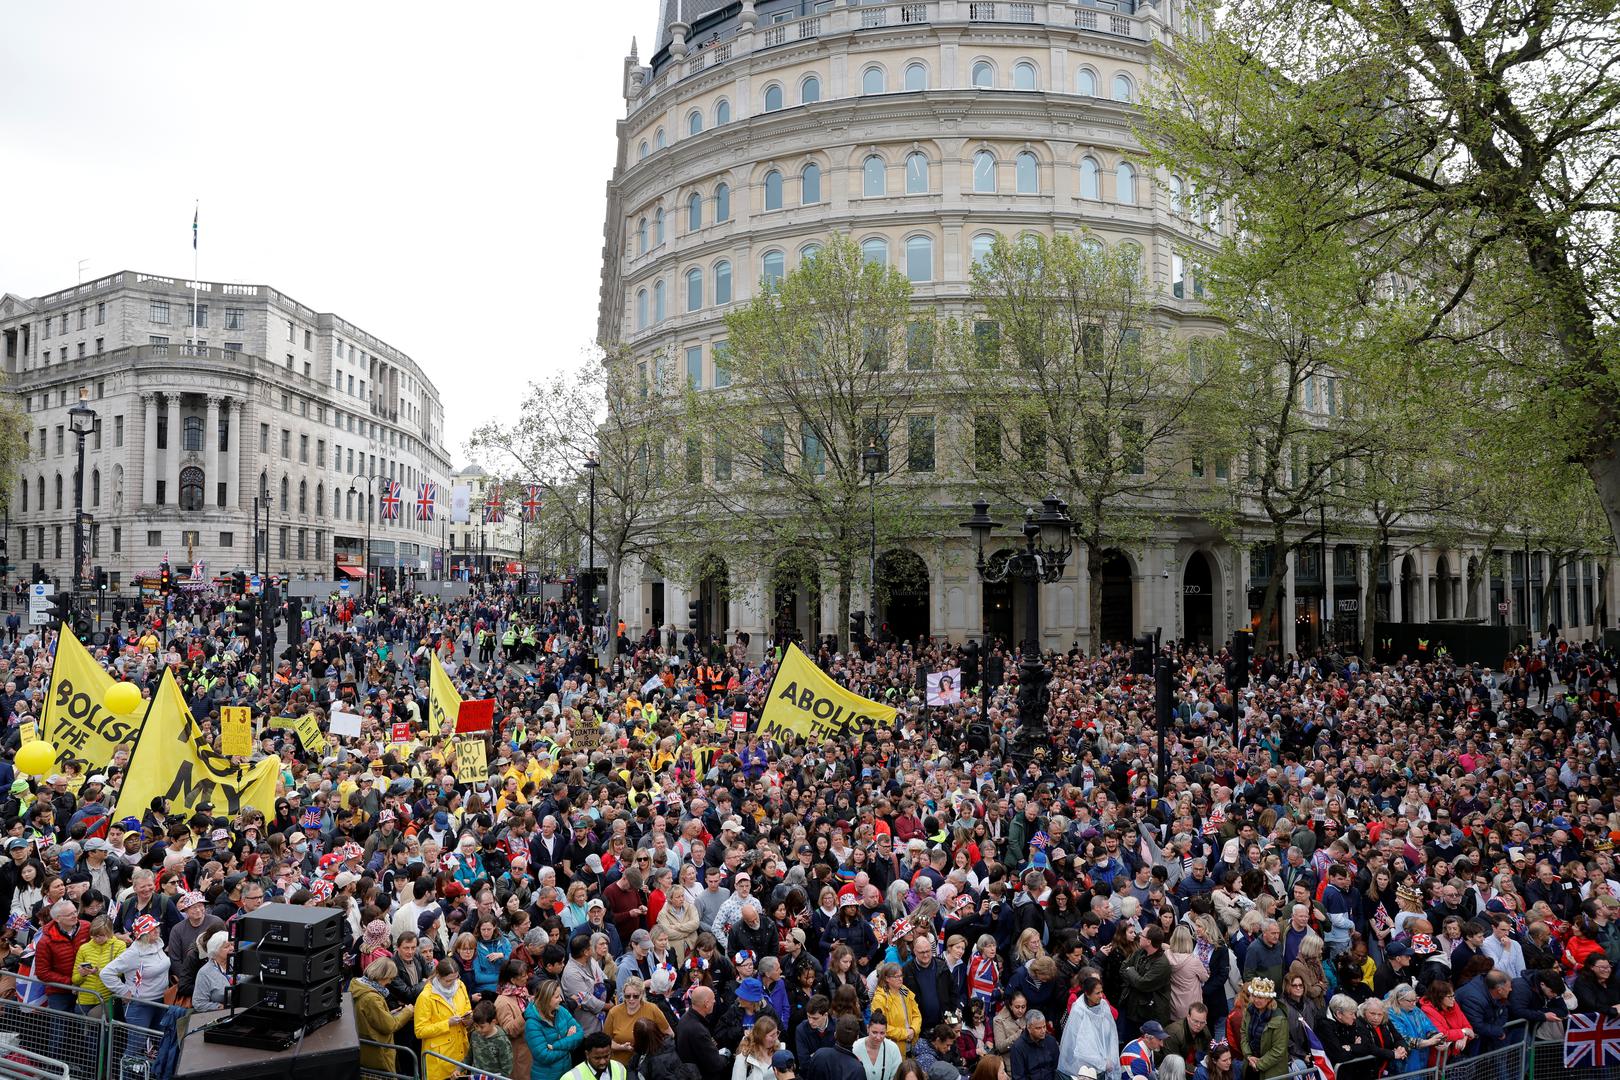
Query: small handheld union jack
(426, 495)
(531, 502)
(389, 505)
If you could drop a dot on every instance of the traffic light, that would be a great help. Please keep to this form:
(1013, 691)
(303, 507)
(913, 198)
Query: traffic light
(272, 607)
(61, 609)
(247, 616)
(1242, 657)
(694, 614)
(165, 578)
(40, 576)
(1142, 651)
(5, 556)
(101, 579)
(857, 626)
(295, 622)
(239, 583)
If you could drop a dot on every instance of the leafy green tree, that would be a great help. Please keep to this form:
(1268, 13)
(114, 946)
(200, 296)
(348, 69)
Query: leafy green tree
(1085, 396)
(1464, 151)
(823, 365)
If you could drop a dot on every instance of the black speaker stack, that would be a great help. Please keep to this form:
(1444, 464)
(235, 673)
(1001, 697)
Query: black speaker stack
(287, 976)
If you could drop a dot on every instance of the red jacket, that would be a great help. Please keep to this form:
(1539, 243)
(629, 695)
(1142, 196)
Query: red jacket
(55, 951)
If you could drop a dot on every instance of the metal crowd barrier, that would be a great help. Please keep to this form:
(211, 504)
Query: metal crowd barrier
(19, 1064)
(1511, 1061)
(76, 1040)
(403, 1055)
(462, 1068)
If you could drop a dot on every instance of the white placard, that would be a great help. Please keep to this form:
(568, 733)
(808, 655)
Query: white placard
(345, 723)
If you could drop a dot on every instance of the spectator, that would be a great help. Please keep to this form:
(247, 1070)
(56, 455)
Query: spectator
(441, 1018)
(374, 1020)
(1035, 1052)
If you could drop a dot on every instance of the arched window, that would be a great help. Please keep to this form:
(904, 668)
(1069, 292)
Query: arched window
(916, 77)
(916, 173)
(658, 139)
(1133, 257)
(770, 267)
(773, 97)
(872, 81)
(25, 494)
(641, 151)
(1024, 76)
(285, 493)
(1174, 186)
(95, 487)
(303, 496)
(875, 250)
(1085, 83)
(980, 248)
(722, 112)
(694, 289)
(810, 184)
(919, 258)
(658, 227)
(641, 309)
(874, 177)
(694, 123)
(773, 190)
(984, 76)
(58, 491)
(320, 500)
(1088, 178)
(809, 251)
(191, 489)
(694, 212)
(722, 203)
(658, 302)
(1027, 174)
(192, 433)
(810, 90)
(1091, 246)
(722, 282)
(41, 489)
(1125, 184)
(984, 171)
(641, 237)
(1123, 90)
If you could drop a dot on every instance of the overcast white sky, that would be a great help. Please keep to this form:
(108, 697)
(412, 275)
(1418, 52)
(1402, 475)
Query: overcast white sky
(432, 172)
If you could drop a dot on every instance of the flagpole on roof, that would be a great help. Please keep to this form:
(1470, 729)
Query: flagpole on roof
(196, 207)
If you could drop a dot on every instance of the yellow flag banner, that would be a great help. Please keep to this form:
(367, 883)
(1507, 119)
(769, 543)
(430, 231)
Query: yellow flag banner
(472, 764)
(74, 720)
(803, 699)
(444, 704)
(173, 763)
(236, 730)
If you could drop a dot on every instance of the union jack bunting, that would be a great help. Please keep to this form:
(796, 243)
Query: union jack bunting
(1591, 1039)
(531, 502)
(426, 495)
(390, 503)
(494, 506)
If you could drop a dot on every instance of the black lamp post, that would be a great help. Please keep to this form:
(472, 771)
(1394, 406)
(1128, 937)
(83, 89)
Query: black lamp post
(871, 463)
(1047, 546)
(365, 556)
(591, 465)
(81, 421)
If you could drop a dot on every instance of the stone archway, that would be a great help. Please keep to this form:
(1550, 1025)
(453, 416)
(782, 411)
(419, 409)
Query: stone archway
(902, 602)
(1410, 584)
(1198, 600)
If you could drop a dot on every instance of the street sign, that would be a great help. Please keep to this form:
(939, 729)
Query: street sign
(343, 588)
(39, 603)
(1504, 607)
(255, 585)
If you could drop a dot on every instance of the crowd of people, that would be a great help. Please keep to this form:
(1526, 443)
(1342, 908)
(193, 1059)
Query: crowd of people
(1380, 862)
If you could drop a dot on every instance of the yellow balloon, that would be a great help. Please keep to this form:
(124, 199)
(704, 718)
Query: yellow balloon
(122, 698)
(35, 758)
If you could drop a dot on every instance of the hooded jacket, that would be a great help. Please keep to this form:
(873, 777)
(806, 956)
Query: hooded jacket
(140, 971)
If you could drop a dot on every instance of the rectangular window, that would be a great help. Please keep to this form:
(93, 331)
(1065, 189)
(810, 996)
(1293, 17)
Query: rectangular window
(157, 311)
(282, 536)
(721, 352)
(308, 338)
(227, 540)
(291, 331)
(59, 530)
(986, 341)
(813, 454)
(694, 367)
(81, 350)
(722, 460)
(303, 551)
(118, 539)
(101, 346)
(235, 318)
(162, 492)
(1223, 469)
(694, 459)
(158, 340)
(198, 314)
(95, 437)
(101, 313)
(986, 442)
(1032, 442)
(154, 538)
(1131, 447)
(84, 315)
(920, 444)
(60, 439)
(264, 438)
(773, 456)
(303, 449)
(286, 444)
(320, 453)
(919, 346)
(233, 346)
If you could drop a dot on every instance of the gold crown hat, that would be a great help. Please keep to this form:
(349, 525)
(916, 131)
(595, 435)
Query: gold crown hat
(1262, 988)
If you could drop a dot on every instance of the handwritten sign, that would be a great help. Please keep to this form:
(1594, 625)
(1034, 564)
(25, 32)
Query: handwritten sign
(236, 731)
(472, 765)
(28, 732)
(399, 733)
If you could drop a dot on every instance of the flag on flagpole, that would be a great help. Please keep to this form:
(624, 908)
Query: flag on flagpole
(390, 503)
(531, 502)
(195, 207)
(426, 496)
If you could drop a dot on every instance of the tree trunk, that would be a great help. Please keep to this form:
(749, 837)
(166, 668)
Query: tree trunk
(1094, 571)
(1605, 472)
(1268, 607)
(1376, 553)
(845, 588)
(611, 606)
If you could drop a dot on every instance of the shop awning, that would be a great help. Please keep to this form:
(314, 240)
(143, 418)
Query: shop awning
(353, 572)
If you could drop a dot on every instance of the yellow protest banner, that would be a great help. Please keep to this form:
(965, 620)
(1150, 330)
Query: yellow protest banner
(74, 720)
(472, 764)
(308, 730)
(444, 704)
(236, 730)
(803, 699)
(28, 732)
(172, 763)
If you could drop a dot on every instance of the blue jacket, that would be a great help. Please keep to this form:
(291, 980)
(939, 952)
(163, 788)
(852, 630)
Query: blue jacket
(1487, 1016)
(550, 1044)
(486, 973)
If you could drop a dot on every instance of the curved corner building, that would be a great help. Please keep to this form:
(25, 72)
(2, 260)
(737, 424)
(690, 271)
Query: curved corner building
(922, 129)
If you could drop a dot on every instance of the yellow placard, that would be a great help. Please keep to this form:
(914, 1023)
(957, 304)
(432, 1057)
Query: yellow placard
(28, 732)
(444, 703)
(805, 701)
(236, 730)
(308, 730)
(74, 720)
(472, 764)
(172, 763)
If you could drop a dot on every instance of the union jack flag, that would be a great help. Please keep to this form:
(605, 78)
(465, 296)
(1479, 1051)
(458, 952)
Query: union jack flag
(390, 503)
(531, 502)
(494, 505)
(1591, 1038)
(1319, 1058)
(426, 495)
